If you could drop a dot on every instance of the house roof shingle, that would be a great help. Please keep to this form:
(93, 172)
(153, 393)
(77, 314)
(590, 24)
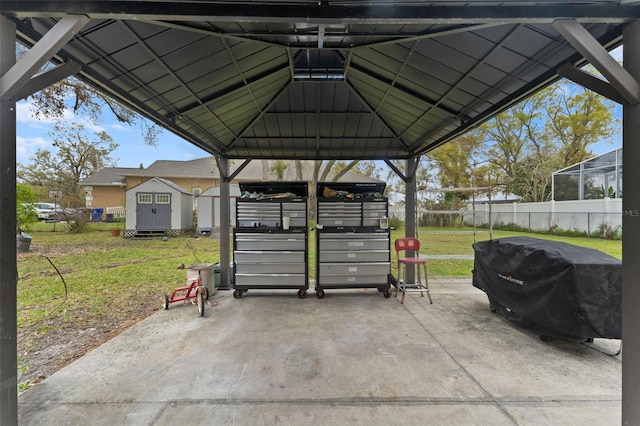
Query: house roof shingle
(109, 176)
(203, 168)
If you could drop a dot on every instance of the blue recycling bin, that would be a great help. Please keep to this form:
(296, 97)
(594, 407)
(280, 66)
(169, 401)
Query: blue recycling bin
(96, 214)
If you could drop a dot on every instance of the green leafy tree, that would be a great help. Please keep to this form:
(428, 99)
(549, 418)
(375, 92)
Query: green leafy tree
(549, 131)
(532, 178)
(278, 167)
(77, 153)
(455, 164)
(377, 170)
(512, 135)
(25, 212)
(576, 119)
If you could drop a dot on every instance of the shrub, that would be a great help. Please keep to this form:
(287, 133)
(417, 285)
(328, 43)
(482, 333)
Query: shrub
(395, 222)
(607, 232)
(569, 232)
(78, 221)
(25, 213)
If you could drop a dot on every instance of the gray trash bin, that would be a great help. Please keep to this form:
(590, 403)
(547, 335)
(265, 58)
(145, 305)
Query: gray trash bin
(206, 272)
(23, 242)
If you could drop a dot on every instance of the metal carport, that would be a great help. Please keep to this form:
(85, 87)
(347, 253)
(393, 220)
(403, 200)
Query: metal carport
(318, 80)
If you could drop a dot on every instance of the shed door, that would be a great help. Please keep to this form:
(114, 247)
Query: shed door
(153, 211)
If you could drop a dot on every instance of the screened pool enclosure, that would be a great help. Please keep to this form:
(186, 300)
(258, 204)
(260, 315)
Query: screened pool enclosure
(592, 179)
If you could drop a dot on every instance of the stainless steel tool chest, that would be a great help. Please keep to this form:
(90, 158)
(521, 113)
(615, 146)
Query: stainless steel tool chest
(270, 240)
(352, 250)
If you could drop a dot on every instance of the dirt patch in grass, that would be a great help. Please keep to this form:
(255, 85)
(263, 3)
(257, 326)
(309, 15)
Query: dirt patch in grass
(73, 327)
(46, 347)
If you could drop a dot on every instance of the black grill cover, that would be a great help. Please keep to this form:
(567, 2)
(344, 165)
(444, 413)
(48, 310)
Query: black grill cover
(552, 288)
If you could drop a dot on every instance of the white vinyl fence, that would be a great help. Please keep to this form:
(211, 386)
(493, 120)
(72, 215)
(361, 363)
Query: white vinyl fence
(577, 215)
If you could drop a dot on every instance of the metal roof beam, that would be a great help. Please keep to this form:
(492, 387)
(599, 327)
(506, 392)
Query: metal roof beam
(29, 36)
(347, 65)
(214, 32)
(240, 168)
(393, 83)
(598, 56)
(386, 125)
(432, 103)
(429, 12)
(321, 31)
(313, 113)
(591, 82)
(260, 115)
(247, 81)
(64, 30)
(47, 78)
(613, 38)
(481, 61)
(407, 37)
(357, 139)
(169, 71)
(396, 170)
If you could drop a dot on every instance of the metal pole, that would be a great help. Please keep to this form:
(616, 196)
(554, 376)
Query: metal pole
(630, 238)
(490, 219)
(225, 245)
(410, 206)
(8, 258)
(473, 209)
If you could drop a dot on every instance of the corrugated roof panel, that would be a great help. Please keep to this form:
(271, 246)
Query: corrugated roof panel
(149, 72)
(354, 78)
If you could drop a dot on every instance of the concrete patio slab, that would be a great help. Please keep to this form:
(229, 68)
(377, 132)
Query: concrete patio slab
(353, 357)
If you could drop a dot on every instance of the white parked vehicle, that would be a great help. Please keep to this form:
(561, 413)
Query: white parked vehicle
(47, 211)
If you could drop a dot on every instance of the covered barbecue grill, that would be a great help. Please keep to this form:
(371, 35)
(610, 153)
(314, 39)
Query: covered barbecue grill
(552, 288)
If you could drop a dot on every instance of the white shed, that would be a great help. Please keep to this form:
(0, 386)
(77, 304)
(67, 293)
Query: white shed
(158, 207)
(209, 208)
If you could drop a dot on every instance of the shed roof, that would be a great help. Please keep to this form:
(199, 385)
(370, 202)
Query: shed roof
(162, 181)
(327, 79)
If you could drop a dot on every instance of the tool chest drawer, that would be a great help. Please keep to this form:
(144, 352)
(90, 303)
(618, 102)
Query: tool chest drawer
(352, 237)
(270, 239)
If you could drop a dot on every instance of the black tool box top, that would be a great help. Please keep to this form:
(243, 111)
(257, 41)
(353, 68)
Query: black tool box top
(350, 189)
(277, 188)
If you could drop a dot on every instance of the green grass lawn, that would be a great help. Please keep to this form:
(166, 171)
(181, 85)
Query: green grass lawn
(459, 241)
(107, 283)
(103, 273)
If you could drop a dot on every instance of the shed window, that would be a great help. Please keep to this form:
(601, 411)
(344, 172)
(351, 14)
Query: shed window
(162, 199)
(144, 198)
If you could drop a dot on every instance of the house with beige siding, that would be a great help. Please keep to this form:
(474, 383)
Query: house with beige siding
(107, 188)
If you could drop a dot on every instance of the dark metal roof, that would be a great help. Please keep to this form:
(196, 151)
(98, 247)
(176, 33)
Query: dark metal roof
(320, 79)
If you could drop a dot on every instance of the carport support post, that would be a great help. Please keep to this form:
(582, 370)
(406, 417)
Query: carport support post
(410, 209)
(225, 245)
(8, 267)
(631, 237)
